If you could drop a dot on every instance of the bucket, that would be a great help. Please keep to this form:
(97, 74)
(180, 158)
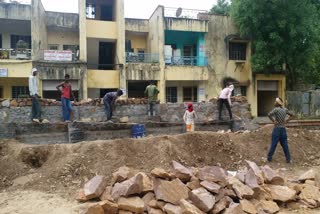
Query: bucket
(138, 131)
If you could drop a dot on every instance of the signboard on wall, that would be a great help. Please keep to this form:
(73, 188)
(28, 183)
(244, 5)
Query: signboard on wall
(3, 72)
(56, 55)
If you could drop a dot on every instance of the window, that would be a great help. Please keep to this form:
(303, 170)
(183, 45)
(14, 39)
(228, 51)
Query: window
(190, 94)
(237, 51)
(1, 92)
(0, 41)
(171, 95)
(53, 47)
(240, 90)
(70, 47)
(91, 11)
(20, 91)
(16, 38)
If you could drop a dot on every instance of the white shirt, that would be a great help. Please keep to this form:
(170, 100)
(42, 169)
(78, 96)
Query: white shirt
(189, 117)
(33, 85)
(226, 94)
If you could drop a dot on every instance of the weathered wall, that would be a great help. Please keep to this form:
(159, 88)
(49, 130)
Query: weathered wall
(38, 29)
(156, 45)
(17, 68)
(136, 113)
(62, 21)
(7, 83)
(143, 71)
(138, 42)
(304, 103)
(15, 11)
(182, 24)
(63, 38)
(186, 73)
(103, 78)
(137, 25)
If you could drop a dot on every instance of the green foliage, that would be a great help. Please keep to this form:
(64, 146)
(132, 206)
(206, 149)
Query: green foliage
(221, 8)
(282, 32)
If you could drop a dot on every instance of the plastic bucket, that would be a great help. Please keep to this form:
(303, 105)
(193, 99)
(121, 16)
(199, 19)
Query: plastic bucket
(138, 131)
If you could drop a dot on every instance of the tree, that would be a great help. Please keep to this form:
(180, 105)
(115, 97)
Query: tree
(221, 8)
(282, 32)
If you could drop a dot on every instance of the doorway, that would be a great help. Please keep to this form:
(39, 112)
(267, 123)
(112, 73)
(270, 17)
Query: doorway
(267, 93)
(1, 92)
(136, 89)
(106, 55)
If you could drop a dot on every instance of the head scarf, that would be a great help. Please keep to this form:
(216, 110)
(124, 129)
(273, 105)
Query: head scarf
(33, 70)
(190, 107)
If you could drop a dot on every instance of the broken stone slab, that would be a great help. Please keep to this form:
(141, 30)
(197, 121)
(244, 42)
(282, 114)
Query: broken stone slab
(241, 175)
(132, 186)
(309, 175)
(125, 212)
(109, 207)
(234, 208)
(161, 204)
(80, 196)
(213, 174)
(106, 195)
(310, 203)
(181, 172)
(170, 191)
(172, 209)
(153, 204)
(132, 204)
(124, 119)
(248, 207)
(155, 211)
(91, 208)
(221, 205)
(256, 170)
(95, 187)
(211, 186)
(268, 206)
(310, 192)
(271, 177)
(281, 193)
(5, 103)
(147, 198)
(160, 173)
(188, 208)
(123, 174)
(202, 199)
(310, 182)
(242, 190)
(195, 184)
(147, 184)
(251, 180)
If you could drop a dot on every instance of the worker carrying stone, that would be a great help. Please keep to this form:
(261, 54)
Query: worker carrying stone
(109, 101)
(151, 93)
(189, 118)
(279, 117)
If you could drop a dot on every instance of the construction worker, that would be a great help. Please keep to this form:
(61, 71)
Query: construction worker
(225, 99)
(109, 100)
(279, 117)
(151, 93)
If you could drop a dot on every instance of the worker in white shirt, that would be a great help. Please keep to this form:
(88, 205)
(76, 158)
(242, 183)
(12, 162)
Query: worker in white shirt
(225, 99)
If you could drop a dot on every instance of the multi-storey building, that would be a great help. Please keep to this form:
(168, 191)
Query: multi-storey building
(190, 53)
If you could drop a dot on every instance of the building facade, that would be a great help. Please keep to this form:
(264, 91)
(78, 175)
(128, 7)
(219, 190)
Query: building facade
(189, 53)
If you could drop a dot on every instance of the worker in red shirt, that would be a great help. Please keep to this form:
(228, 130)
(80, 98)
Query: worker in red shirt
(66, 93)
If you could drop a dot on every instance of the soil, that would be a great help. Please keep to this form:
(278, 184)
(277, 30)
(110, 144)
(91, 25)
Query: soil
(58, 171)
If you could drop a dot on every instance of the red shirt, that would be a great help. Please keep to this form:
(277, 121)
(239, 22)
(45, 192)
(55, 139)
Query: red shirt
(66, 90)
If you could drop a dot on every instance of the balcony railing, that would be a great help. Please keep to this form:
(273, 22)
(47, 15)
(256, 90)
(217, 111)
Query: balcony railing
(184, 13)
(18, 54)
(186, 60)
(142, 57)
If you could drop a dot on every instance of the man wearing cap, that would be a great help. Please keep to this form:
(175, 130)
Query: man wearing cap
(279, 117)
(225, 99)
(34, 93)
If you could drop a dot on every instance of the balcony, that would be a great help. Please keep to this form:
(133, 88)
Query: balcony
(186, 60)
(17, 54)
(142, 57)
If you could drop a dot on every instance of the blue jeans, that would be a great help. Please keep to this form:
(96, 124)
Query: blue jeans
(36, 108)
(66, 108)
(279, 134)
(107, 108)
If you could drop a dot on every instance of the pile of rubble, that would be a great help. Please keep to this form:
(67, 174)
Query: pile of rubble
(210, 189)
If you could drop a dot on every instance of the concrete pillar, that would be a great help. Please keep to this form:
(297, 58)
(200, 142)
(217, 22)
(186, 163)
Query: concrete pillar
(82, 30)
(161, 44)
(120, 53)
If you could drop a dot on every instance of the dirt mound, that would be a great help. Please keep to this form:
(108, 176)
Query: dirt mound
(55, 167)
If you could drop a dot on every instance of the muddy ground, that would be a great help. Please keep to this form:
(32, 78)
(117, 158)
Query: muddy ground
(48, 176)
